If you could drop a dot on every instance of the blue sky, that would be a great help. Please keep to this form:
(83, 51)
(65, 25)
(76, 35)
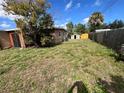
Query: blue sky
(77, 11)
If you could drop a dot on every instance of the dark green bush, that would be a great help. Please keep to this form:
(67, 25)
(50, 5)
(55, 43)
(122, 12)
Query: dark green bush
(47, 41)
(28, 41)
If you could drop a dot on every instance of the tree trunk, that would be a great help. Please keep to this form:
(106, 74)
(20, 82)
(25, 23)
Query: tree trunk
(36, 40)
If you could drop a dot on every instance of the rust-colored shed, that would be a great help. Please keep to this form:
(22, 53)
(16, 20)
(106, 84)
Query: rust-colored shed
(11, 38)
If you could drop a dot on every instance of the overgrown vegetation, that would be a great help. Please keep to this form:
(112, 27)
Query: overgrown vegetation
(58, 68)
(32, 17)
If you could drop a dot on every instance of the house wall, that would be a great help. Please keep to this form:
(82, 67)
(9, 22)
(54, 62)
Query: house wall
(59, 36)
(5, 40)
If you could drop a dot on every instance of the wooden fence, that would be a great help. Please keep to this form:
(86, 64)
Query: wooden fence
(112, 39)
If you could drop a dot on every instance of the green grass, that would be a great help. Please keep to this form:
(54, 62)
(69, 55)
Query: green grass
(56, 69)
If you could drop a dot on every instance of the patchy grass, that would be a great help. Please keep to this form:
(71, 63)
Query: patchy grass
(56, 69)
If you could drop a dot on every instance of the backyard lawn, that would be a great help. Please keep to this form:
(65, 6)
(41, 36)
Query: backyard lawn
(90, 66)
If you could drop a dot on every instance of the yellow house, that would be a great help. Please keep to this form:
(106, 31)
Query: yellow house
(84, 36)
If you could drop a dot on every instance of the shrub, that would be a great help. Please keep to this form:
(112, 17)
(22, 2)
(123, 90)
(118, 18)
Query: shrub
(47, 41)
(28, 41)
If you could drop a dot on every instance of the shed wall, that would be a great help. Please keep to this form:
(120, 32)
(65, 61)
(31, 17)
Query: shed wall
(5, 40)
(75, 37)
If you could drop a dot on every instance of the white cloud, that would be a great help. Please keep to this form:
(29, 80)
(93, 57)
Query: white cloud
(4, 14)
(78, 5)
(85, 20)
(69, 5)
(63, 25)
(1, 1)
(4, 25)
(97, 3)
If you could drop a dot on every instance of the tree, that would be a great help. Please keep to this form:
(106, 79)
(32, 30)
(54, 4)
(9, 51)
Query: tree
(96, 21)
(116, 24)
(33, 16)
(70, 27)
(80, 28)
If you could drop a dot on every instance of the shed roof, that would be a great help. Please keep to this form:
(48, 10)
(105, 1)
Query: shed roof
(59, 29)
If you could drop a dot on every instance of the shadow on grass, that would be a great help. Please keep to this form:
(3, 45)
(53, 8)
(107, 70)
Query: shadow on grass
(117, 57)
(44, 46)
(4, 69)
(116, 85)
(79, 85)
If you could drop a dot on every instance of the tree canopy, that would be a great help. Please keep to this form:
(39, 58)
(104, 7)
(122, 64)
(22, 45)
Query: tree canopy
(75, 29)
(96, 21)
(80, 28)
(70, 28)
(116, 24)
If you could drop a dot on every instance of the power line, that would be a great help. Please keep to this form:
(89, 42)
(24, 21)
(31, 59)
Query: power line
(110, 4)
